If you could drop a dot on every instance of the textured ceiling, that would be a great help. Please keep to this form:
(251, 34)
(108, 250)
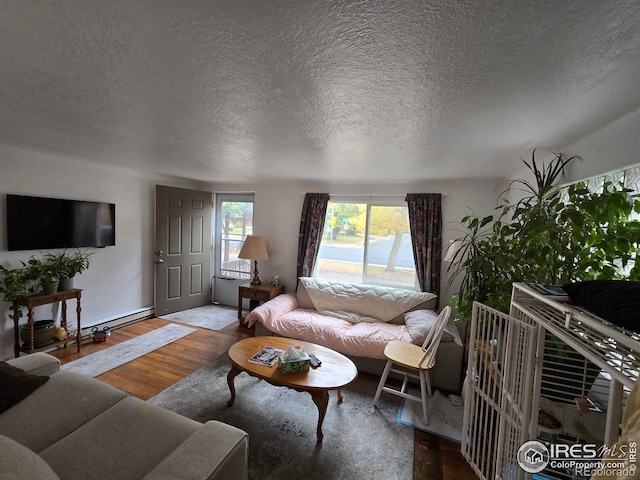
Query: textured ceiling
(364, 91)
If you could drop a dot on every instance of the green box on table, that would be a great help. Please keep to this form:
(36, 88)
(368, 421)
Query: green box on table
(300, 364)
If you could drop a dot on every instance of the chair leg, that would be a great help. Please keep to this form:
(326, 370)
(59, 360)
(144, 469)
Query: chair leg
(383, 380)
(428, 378)
(405, 383)
(423, 394)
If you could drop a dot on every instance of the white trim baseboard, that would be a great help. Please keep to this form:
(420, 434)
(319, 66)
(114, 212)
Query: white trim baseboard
(120, 319)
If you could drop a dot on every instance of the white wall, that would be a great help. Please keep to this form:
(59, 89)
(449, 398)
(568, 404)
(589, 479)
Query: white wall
(120, 278)
(614, 147)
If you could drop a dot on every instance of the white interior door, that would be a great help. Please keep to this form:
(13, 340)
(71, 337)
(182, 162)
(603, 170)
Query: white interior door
(183, 249)
(234, 221)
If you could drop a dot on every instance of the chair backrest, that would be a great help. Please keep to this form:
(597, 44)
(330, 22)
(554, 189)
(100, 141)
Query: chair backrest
(431, 343)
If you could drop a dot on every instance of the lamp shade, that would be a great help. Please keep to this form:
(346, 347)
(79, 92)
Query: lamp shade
(453, 249)
(254, 248)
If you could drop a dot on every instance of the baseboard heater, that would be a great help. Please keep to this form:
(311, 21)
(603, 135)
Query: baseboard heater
(119, 320)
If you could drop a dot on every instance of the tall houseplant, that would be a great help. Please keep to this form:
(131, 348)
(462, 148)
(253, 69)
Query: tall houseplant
(546, 237)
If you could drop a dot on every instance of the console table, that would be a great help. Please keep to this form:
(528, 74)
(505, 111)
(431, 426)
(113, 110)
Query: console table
(37, 300)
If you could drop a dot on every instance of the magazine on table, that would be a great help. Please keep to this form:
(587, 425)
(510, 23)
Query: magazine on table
(267, 356)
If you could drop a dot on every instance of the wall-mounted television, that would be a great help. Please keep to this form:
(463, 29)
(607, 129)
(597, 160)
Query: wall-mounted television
(35, 223)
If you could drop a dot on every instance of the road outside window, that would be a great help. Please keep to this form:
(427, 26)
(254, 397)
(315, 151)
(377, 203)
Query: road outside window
(367, 243)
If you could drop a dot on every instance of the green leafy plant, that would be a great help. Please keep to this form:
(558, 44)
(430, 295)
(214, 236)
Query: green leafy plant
(545, 238)
(18, 283)
(15, 285)
(67, 263)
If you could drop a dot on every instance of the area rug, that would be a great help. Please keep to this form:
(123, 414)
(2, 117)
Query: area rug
(445, 414)
(211, 317)
(360, 441)
(121, 353)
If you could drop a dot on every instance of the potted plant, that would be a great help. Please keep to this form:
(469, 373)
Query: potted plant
(49, 282)
(547, 237)
(67, 264)
(18, 283)
(44, 273)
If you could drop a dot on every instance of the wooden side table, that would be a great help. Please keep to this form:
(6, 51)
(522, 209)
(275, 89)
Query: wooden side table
(256, 294)
(35, 301)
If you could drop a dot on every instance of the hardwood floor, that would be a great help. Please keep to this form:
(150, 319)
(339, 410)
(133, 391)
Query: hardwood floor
(147, 376)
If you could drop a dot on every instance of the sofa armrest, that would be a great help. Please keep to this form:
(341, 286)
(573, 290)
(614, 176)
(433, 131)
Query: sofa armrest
(272, 309)
(38, 363)
(214, 451)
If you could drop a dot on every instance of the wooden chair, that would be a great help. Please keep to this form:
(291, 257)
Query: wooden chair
(413, 361)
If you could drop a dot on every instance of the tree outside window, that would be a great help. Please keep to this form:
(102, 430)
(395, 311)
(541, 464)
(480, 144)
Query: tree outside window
(237, 223)
(367, 243)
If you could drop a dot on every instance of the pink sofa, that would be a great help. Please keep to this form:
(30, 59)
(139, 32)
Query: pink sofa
(296, 316)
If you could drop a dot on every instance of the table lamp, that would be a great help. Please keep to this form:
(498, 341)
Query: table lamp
(254, 249)
(453, 249)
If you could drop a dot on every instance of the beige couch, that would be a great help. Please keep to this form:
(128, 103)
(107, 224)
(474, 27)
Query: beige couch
(76, 427)
(295, 316)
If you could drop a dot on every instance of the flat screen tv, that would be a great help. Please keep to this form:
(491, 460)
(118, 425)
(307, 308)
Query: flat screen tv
(35, 223)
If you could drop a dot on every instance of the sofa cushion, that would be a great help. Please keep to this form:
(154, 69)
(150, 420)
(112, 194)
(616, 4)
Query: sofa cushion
(364, 339)
(38, 363)
(420, 322)
(17, 385)
(17, 461)
(215, 450)
(304, 301)
(426, 305)
(43, 418)
(271, 310)
(125, 442)
(357, 302)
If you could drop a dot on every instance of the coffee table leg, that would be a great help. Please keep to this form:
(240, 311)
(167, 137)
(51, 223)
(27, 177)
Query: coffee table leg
(340, 398)
(233, 373)
(321, 399)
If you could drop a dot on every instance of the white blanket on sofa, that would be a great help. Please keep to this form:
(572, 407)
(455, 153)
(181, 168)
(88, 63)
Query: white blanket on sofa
(361, 303)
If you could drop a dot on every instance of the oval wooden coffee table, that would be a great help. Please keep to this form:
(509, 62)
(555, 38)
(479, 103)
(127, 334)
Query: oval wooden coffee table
(336, 371)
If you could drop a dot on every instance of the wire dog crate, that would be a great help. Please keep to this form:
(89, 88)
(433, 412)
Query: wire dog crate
(549, 371)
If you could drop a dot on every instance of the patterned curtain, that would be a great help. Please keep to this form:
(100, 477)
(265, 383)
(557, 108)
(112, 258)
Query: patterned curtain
(425, 221)
(314, 210)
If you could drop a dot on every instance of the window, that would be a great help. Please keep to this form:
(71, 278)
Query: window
(630, 179)
(236, 224)
(367, 242)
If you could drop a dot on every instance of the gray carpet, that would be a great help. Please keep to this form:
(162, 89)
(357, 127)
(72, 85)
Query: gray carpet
(360, 441)
(211, 317)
